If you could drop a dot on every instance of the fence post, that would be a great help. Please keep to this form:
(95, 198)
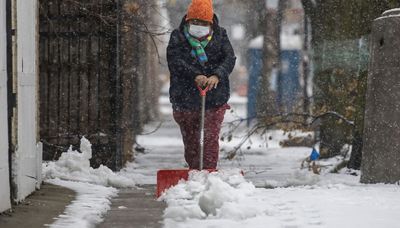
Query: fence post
(381, 150)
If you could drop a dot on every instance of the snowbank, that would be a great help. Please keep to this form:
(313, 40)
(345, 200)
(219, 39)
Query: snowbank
(75, 166)
(225, 199)
(94, 187)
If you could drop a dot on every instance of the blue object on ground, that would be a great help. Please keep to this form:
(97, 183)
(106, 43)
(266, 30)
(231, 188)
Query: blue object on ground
(314, 155)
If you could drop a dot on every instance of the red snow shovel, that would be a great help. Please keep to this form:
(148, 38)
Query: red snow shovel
(169, 178)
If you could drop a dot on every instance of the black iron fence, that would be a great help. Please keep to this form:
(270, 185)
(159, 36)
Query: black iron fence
(85, 87)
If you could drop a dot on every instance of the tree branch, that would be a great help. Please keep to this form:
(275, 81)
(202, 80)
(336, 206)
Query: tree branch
(299, 121)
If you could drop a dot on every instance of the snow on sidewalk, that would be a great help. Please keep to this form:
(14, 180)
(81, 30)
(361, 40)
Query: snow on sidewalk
(75, 166)
(226, 199)
(92, 202)
(94, 187)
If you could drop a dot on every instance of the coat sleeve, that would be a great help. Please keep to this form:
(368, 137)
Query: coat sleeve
(177, 64)
(225, 69)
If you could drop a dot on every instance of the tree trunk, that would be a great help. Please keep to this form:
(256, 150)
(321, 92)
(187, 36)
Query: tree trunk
(266, 102)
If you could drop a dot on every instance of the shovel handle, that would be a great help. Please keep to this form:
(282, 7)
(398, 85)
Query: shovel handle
(203, 92)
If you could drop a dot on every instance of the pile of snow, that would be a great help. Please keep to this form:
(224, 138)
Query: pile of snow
(214, 195)
(94, 187)
(75, 166)
(225, 199)
(91, 203)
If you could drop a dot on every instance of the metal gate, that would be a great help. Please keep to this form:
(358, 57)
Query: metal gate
(97, 75)
(79, 83)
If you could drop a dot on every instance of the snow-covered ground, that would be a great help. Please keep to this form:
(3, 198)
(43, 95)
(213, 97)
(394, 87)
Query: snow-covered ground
(91, 203)
(229, 200)
(273, 192)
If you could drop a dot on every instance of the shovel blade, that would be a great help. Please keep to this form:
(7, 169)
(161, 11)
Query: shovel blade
(170, 178)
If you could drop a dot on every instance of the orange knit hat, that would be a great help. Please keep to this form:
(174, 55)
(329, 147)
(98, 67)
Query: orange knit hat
(201, 10)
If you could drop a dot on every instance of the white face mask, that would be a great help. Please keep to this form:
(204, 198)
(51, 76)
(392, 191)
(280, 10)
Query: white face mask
(199, 31)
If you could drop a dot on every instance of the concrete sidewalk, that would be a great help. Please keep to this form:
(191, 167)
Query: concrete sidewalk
(38, 209)
(135, 208)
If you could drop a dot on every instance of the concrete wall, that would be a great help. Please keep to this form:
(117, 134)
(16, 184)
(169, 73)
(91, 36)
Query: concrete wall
(381, 150)
(4, 172)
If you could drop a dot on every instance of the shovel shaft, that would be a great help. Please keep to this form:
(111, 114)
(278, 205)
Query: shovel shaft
(203, 93)
(203, 108)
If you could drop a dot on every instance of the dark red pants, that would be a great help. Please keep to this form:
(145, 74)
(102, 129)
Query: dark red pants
(189, 123)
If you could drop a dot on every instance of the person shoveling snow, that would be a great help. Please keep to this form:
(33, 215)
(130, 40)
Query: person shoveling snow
(200, 57)
(199, 53)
